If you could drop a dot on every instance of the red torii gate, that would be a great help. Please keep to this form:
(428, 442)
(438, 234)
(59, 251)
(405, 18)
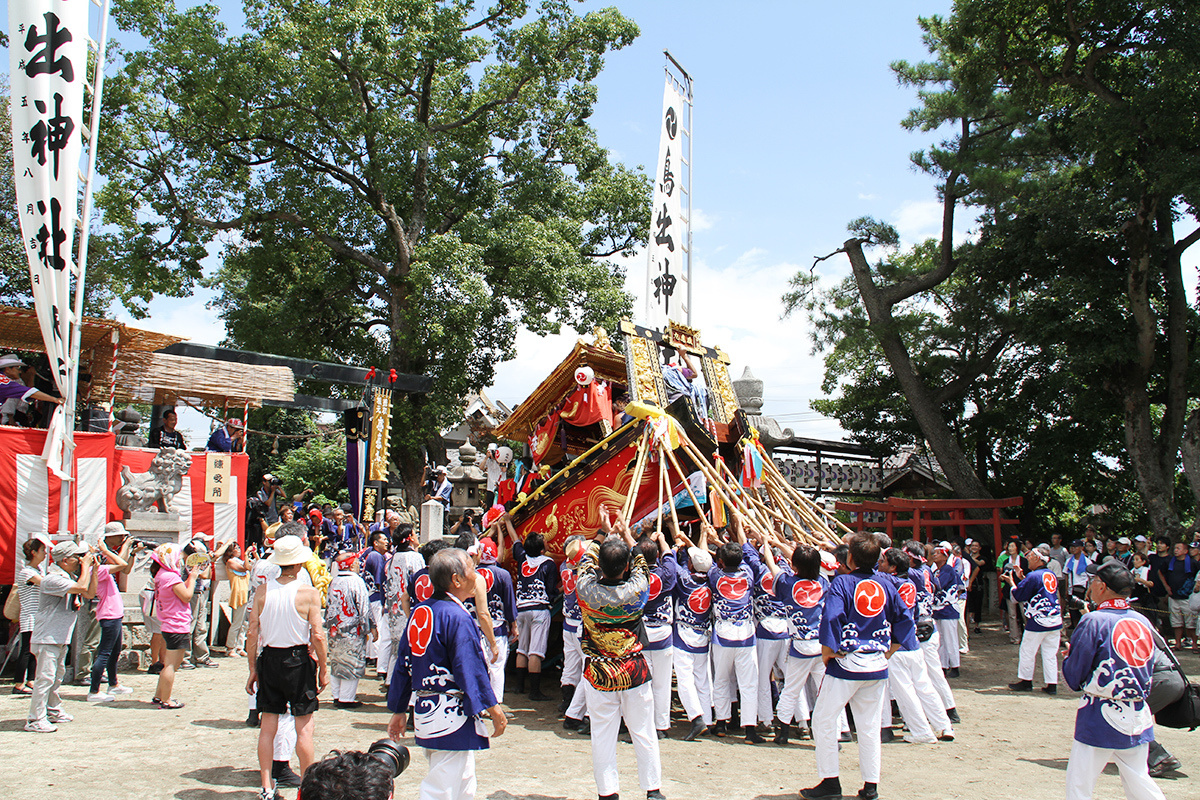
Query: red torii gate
(922, 515)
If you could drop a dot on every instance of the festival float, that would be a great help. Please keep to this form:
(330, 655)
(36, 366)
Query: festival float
(650, 434)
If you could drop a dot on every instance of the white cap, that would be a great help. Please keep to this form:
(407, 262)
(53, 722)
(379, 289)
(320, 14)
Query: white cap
(1124, 540)
(701, 560)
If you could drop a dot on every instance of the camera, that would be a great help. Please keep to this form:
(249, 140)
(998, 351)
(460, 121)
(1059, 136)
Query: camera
(276, 482)
(392, 755)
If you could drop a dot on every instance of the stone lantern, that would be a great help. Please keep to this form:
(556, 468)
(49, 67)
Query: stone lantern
(467, 482)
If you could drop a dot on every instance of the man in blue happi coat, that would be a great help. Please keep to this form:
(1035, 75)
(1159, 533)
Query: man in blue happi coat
(441, 662)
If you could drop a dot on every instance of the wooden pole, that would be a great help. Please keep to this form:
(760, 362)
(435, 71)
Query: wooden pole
(675, 462)
(638, 468)
(665, 483)
(662, 476)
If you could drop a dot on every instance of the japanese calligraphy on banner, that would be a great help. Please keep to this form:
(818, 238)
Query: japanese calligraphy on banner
(381, 429)
(217, 478)
(48, 61)
(47, 69)
(666, 275)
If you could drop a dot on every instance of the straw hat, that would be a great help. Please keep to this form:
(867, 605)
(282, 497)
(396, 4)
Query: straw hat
(290, 550)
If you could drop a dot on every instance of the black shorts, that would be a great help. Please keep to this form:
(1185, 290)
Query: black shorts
(287, 681)
(177, 641)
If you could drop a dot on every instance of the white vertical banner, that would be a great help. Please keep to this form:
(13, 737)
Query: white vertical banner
(666, 275)
(47, 68)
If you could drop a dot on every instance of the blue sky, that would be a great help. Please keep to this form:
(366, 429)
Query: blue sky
(797, 132)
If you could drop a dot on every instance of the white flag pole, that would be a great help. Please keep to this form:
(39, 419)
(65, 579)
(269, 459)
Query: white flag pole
(72, 388)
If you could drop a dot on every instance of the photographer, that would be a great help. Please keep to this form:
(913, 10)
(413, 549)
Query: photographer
(269, 495)
(71, 577)
(356, 775)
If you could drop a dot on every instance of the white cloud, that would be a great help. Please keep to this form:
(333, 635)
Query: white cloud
(917, 220)
(188, 317)
(863, 196)
(702, 221)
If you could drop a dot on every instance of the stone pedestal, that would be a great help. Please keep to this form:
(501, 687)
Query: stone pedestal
(154, 526)
(432, 521)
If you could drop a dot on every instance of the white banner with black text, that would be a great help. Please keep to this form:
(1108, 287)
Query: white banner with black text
(666, 274)
(48, 56)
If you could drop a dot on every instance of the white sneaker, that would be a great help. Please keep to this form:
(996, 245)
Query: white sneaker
(116, 690)
(908, 737)
(947, 735)
(99, 697)
(40, 726)
(59, 716)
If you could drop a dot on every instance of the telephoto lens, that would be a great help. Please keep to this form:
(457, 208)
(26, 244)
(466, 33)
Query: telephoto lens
(392, 755)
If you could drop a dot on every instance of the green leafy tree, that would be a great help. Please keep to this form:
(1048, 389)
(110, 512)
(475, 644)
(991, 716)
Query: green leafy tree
(318, 464)
(410, 182)
(1074, 132)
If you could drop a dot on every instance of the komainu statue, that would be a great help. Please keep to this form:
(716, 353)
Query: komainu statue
(154, 489)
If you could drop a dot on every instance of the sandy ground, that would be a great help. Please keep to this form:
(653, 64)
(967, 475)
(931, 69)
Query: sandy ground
(1008, 746)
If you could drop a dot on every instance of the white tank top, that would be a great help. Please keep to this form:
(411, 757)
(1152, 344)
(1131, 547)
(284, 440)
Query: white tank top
(280, 624)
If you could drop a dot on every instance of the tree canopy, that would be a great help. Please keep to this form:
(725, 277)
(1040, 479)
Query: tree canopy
(408, 181)
(1055, 345)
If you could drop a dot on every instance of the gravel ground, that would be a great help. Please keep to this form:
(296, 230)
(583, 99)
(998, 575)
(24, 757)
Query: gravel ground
(1008, 746)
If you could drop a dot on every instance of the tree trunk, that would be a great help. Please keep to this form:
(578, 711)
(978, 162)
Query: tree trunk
(950, 456)
(1154, 450)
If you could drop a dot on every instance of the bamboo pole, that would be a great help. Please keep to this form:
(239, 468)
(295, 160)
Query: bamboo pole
(716, 480)
(816, 526)
(679, 469)
(789, 489)
(666, 483)
(662, 476)
(639, 467)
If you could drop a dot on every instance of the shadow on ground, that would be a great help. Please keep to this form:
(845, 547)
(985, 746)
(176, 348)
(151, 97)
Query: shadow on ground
(220, 724)
(210, 794)
(370, 726)
(1061, 763)
(224, 776)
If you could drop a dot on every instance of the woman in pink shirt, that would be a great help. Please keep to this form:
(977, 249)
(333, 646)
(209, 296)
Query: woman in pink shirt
(172, 600)
(110, 613)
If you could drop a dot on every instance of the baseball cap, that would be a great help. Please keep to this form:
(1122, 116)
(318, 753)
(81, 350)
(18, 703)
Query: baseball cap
(701, 559)
(67, 549)
(1077, 543)
(1140, 538)
(1195, 543)
(1124, 540)
(1115, 575)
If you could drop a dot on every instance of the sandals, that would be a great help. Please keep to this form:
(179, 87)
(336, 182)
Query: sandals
(168, 705)
(22, 690)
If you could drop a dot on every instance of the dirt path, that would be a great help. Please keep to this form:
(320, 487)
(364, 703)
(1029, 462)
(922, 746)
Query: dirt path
(1008, 746)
